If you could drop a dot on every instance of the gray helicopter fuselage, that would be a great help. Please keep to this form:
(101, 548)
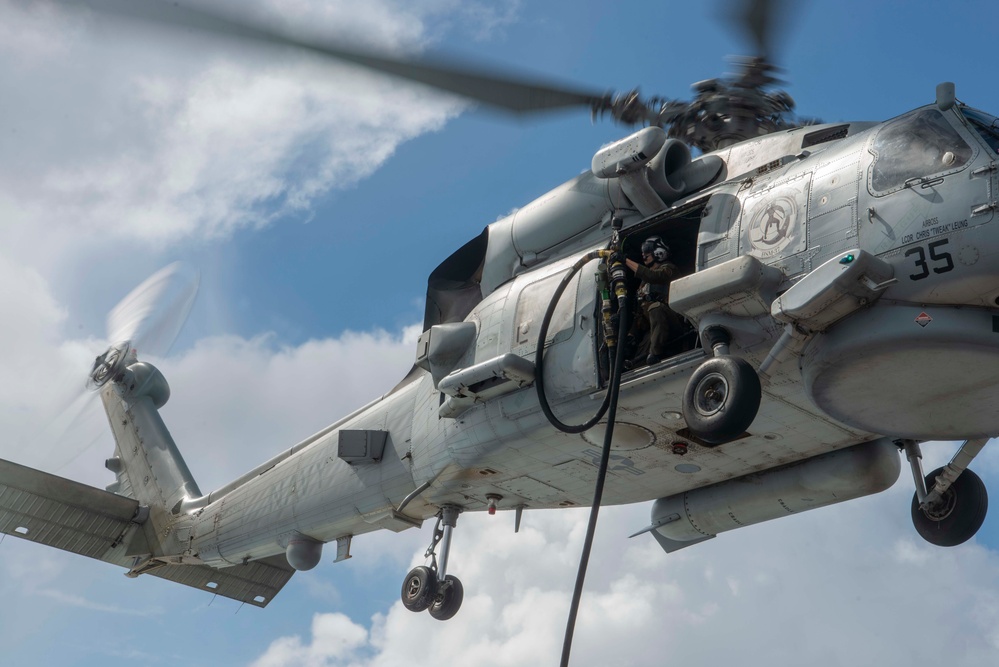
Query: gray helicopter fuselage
(839, 292)
(901, 347)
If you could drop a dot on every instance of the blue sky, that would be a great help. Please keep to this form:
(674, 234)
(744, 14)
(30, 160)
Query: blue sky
(315, 201)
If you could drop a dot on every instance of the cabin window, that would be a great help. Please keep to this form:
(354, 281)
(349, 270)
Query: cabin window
(915, 146)
(985, 125)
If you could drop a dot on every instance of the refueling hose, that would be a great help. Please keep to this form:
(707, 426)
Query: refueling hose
(616, 277)
(539, 379)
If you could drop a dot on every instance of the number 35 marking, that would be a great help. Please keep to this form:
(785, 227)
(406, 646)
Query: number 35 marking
(936, 256)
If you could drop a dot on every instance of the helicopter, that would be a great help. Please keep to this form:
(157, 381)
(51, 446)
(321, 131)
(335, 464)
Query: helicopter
(747, 215)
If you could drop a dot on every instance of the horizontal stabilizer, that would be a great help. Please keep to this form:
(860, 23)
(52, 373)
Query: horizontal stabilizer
(71, 516)
(67, 515)
(254, 583)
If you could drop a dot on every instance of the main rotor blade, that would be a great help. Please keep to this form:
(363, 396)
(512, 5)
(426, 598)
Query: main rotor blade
(764, 21)
(503, 91)
(519, 94)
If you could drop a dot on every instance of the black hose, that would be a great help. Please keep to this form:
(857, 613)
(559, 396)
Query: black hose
(608, 407)
(598, 491)
(539, 379)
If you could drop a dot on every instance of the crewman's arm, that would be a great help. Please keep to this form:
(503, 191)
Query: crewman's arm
(660, 275)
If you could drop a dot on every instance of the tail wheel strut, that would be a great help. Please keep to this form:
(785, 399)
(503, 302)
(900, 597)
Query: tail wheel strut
(431, 587)
(950, 504)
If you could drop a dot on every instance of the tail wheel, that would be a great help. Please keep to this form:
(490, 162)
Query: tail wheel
(419, 588)
(721, 399)
(446, 604)
(959, 514)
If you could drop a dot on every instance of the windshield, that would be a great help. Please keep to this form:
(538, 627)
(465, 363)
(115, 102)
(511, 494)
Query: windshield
(987, 126)
(916, 145)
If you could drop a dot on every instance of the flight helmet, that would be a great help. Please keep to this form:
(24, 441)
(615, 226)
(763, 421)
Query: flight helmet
(654, 246)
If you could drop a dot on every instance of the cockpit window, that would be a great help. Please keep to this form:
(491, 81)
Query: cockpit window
(916, 145)
(987, 126)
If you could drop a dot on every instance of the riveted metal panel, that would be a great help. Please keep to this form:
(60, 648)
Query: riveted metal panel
(61, 513)
(254, 583)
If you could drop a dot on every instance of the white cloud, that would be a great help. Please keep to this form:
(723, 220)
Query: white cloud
(77, 601)
(194, 137)
(845, 584)
(235, 147)
(776, 590)
(37, 324)
(821, 589)
(124, 142)
(42, 375)
(334, 638)
(108, 146)
(261, 398)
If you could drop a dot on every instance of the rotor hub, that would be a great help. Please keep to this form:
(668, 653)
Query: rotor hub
(110, 365)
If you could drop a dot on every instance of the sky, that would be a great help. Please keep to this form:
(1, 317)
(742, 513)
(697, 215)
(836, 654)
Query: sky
(314, 200)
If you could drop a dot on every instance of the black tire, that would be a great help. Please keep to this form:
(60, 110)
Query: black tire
(447, 602)
(721, 399)
(419, 588)
(960, 514)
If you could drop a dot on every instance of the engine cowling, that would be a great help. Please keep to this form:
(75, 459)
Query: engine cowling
(633, 178)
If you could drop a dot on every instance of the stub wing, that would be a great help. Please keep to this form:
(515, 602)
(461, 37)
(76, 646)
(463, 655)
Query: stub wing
(81, 519)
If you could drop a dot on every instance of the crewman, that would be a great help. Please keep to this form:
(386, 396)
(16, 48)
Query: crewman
(655, 272)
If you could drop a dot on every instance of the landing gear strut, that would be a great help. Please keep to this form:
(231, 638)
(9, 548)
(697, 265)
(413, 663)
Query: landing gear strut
(432, 588)
(950, 503)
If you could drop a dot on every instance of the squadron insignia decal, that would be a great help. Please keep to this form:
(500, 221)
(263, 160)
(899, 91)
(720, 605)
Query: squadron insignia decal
(773, 224)
(770, 229)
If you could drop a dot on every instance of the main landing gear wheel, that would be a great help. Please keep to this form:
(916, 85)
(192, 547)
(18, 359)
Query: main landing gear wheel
(721, 399)
(432, 587)
(447, 602)
(419, 589)
(957, 516)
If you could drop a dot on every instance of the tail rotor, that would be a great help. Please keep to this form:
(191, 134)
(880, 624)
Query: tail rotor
(149, 319)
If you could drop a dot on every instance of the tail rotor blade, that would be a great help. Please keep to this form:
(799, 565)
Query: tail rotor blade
(77, 428)
(148, 319)
(152, 315)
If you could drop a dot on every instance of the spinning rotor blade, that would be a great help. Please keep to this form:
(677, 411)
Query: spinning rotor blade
(744, 104)
(757, 21)
(518, 95)
(764, 22)
(496, 89)
(148, 319)
(151, 316)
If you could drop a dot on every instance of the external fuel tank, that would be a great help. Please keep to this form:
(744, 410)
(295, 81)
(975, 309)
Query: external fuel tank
(687, 518)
